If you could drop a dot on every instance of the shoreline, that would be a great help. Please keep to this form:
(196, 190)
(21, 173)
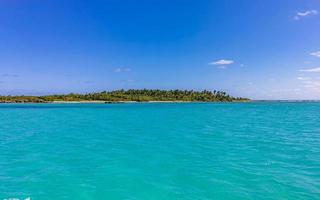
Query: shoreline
(117, 102)
(138, 102)
(120, 102)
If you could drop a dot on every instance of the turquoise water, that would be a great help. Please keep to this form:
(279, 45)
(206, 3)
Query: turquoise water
(160, 151)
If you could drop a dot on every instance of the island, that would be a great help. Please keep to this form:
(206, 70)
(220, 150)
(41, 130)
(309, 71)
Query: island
(131, 95)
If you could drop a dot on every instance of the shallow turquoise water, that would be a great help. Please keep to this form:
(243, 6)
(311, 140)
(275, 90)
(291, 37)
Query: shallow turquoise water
(160, 151)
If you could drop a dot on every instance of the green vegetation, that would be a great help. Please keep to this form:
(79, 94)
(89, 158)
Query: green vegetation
(129, 95)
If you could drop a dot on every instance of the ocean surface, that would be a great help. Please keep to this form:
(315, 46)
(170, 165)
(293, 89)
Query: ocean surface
(154, 151)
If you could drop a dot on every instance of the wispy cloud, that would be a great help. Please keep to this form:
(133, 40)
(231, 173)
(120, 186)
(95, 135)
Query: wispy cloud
(222, 67)
(316, 54)
(89, 82)
(317, 69)
(310, 83)
(221, 62)
(121, 70)
(314, 85)
(9, 75)
(306, 13)
(127, 81)
(303, 78)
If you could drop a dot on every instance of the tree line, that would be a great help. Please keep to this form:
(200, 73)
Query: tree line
(138, 95)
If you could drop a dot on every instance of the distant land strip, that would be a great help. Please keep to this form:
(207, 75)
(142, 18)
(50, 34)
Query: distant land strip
(131, 95)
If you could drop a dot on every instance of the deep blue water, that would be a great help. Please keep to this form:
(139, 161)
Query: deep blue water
(226, 151)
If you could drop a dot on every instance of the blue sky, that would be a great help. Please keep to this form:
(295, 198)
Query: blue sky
(253, 48)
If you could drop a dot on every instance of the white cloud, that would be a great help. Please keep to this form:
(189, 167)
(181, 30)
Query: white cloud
(221, 62)
(300, 15)
(317, 69)
(306, 13)
(303, 78)
(120, 70)
(316, 54)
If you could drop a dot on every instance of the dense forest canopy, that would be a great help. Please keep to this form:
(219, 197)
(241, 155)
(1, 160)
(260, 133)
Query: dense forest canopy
(143, 95)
